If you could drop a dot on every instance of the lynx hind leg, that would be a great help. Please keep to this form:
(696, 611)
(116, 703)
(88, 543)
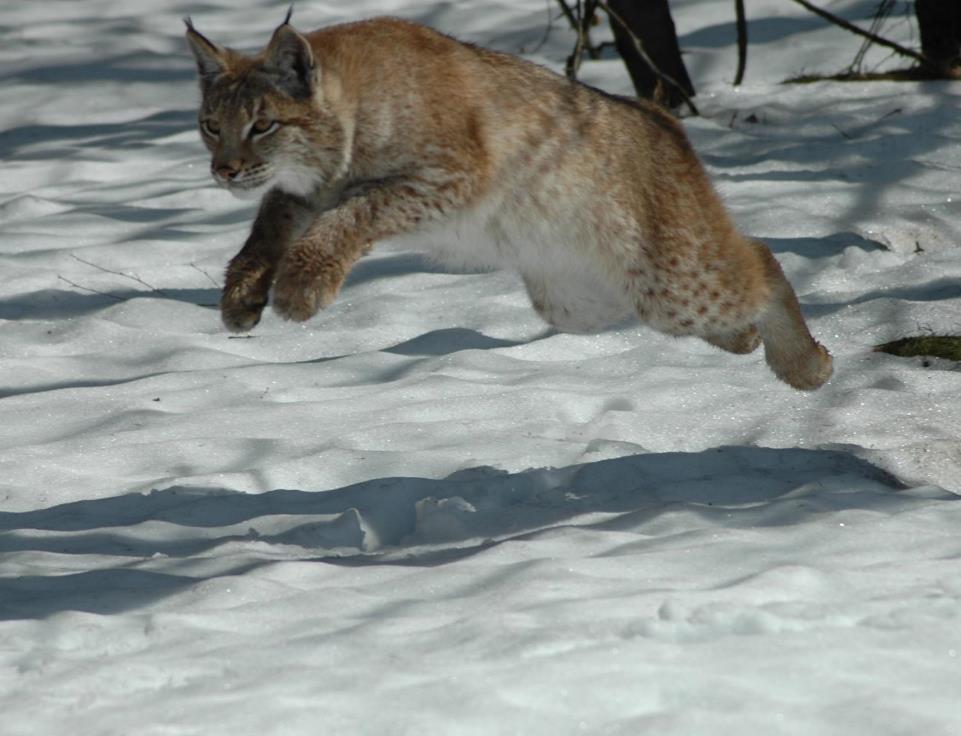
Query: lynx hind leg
(735, 301)
(740, 342)
(794, 356)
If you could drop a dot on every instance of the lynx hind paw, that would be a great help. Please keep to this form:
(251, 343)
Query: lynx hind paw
(805, 372)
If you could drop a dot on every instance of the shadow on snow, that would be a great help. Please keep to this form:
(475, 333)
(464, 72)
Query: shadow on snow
(415, 521)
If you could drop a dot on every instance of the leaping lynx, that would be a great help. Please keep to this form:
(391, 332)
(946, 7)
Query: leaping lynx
(366, 130)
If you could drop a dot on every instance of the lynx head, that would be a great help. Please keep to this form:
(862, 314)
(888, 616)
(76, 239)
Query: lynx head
(263, 116)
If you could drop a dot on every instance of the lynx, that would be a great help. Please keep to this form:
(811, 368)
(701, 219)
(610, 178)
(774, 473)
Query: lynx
(383, 127)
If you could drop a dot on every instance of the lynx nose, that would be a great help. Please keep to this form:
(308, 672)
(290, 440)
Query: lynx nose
(227, 170)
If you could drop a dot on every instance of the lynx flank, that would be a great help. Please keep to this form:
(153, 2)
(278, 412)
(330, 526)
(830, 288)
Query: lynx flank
(373, 129)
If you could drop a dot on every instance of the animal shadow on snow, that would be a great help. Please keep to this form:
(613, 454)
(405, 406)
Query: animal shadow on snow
(415, 521)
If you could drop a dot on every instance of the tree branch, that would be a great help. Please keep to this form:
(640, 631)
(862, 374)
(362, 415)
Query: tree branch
(118, 273)
(88, 289)
(639, 47)
(920, 58)
(741, 41)
(580, 21)
(568, 13)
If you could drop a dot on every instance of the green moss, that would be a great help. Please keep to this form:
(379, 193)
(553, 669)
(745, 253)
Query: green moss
(935, 346)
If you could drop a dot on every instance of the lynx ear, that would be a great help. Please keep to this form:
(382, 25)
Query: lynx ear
(289, 62)
(211, 58)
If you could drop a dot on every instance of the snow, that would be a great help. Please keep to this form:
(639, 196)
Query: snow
(423, 511)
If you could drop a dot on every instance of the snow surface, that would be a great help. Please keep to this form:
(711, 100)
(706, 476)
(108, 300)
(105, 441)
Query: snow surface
(423, 512)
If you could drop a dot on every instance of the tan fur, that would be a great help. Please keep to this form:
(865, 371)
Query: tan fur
(385, 127)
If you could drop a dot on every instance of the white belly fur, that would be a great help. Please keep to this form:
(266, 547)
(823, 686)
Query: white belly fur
(567, 286)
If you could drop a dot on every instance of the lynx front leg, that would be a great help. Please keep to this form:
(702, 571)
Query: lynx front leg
(250, 273)
(312, 271)
(312, 274)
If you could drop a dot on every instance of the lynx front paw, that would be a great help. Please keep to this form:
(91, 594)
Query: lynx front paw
(245, 294)
(305, 285)
(238, 316)
(295, 299)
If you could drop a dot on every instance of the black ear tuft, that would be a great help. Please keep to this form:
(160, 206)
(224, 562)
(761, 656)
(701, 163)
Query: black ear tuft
(290, 12)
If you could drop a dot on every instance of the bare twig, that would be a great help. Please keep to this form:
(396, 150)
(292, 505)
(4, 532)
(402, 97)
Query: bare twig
(119, 273)
(209, 277)
(569, 14)
(902, 50)
(741, 41)
(580, 19)
(547, 31)
(88, 289)
(842, 132)
(574, 61)
(639, 47)
(590, 13)
(880, 15)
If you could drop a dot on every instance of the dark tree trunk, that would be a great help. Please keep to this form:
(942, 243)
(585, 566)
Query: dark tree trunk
(651, 22)
(940, 24)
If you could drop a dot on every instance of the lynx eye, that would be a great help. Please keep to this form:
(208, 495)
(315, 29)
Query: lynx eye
(263, 126)
(210, 128)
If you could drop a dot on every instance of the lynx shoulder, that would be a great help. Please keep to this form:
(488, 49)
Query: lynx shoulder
(362, 131)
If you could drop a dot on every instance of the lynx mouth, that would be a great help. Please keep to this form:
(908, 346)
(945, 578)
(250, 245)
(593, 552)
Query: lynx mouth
(244, 188)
